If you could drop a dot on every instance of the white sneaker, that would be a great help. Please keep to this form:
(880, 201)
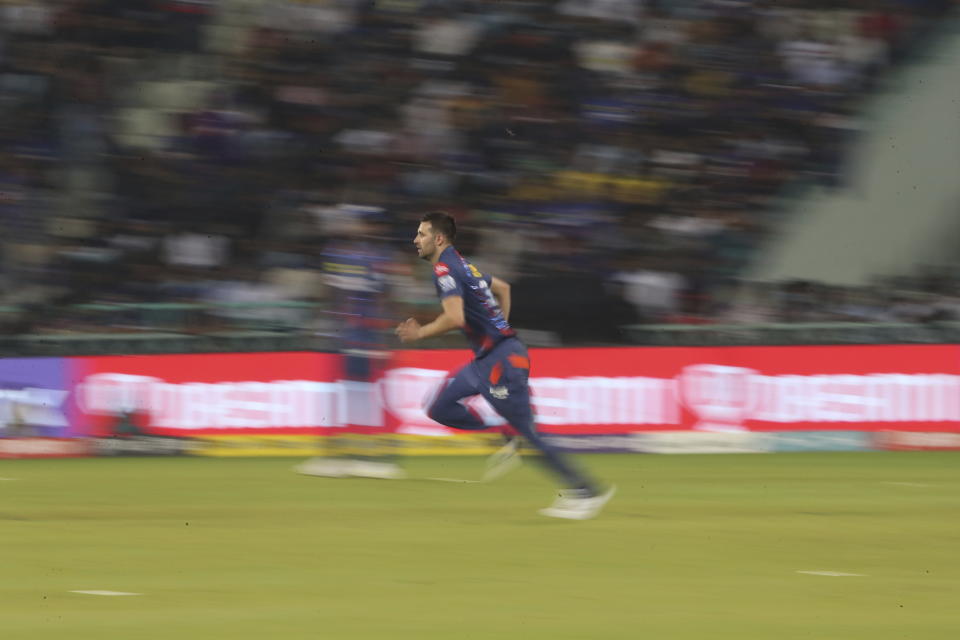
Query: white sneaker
(571, 506)
(503, 461)
(324, 467)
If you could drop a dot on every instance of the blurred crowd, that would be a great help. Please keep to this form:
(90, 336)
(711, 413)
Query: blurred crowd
(617, 160)
(929, 295)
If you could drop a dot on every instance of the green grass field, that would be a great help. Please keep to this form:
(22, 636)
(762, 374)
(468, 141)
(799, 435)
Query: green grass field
(698, 547)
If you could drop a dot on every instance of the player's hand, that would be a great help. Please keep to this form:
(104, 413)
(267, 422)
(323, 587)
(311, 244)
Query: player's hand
(408, 330)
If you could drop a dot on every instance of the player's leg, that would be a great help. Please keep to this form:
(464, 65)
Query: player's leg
(446, 407)
(516, 410)
(509, 394)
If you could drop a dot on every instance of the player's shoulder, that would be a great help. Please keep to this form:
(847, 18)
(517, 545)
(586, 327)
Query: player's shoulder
(451, 268)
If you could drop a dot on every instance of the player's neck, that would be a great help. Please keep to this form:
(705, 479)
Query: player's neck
(436, 256)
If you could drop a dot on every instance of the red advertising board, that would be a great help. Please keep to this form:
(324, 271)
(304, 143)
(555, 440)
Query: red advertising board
(208, 394)
(900, 388)
(722, 389)
(907, 395)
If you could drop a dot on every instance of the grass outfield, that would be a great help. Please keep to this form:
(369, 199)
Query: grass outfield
(698, 547)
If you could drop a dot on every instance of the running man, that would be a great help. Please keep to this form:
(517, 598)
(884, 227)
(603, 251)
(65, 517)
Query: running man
(479, 305)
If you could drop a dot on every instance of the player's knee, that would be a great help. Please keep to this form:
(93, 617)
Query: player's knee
(434, 412)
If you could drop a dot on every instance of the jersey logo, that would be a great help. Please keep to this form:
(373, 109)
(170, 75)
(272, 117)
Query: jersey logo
(474, 272)
(440, 269)
(500, 393)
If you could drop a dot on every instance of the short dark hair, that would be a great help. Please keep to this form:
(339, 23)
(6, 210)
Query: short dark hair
(442, 222)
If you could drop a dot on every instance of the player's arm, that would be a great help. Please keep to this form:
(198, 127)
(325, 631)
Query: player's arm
(451, 318)
(501, 291)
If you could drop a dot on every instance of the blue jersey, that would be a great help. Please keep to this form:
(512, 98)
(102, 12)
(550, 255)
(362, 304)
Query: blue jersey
(485, 324)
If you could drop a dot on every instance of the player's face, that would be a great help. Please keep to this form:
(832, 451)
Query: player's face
(425, 241)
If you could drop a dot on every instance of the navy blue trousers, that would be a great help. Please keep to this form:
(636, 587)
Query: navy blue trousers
(502, 377)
